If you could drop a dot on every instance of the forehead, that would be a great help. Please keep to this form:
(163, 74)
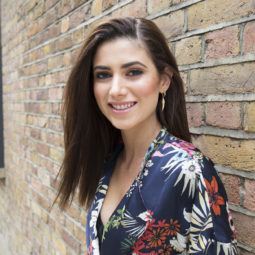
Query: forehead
(121, 50)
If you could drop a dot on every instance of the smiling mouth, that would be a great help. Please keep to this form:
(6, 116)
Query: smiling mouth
(122, 107)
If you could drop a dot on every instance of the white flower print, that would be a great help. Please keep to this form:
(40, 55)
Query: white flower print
(179, 243)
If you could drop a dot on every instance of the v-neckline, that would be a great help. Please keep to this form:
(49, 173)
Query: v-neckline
(152, 147)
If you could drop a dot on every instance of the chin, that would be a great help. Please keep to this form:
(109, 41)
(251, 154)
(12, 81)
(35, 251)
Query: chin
(123, 125)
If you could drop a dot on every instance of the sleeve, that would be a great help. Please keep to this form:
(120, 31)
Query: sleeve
(211, 228)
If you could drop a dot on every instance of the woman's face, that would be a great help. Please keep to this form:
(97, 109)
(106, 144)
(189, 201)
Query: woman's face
(127, 84)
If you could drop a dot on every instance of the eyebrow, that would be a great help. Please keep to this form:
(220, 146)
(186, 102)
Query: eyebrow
(123, 66)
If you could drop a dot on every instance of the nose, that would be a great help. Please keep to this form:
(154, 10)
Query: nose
(117, 88)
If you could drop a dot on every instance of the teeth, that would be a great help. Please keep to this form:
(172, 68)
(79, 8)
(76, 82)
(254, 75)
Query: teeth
(122, 106)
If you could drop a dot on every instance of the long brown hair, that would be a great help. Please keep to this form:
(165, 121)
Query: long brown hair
(89, 138)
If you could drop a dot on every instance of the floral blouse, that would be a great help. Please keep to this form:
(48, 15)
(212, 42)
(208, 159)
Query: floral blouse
(176, 205)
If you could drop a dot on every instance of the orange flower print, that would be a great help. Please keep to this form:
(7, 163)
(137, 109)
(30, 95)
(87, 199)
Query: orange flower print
(138, 245)
(166, 250)
(156, 237)
(215, 199)
(174, 227)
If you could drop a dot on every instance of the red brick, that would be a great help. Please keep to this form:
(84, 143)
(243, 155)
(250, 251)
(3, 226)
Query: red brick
(223, 115)
(42, 149)
(245, 227)
(42, 95)
(35, 133)
(222, 43)
(249, 197)
(195, 113)
(249, 38)
(232, 185)
(73, 243)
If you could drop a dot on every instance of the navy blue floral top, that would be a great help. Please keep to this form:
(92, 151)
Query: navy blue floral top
(176, 205)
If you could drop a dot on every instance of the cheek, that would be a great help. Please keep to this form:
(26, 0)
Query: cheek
(148, 88)
(98, 92)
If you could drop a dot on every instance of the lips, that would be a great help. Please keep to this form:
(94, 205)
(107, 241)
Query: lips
(122, 106)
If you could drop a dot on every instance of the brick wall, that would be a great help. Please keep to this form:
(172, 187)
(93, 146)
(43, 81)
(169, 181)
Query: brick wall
(214, 42)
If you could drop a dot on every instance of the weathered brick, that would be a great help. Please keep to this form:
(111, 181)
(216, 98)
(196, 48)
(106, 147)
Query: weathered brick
(55, 124)
(97, 7)
(238, 78)
(249, 196)
(238, 154)
(222, 43)
(224, 115)
(195, 113)
(64, 7)
(249, 38)
(188, 50)
(55, 93)
(154, 6)
(55, 139)
(184, 76)
(78, 35)
(206, 13)
(33, 29)
(173, 2)
(249, 117)
(43, 149)
(80, 15)
(135, 9)
(37, 54)
(232, 185)
(59, 244)
(245, 227)
(172, 24)
(69, 240)
(64, 24)
(56, 155)
(55, 62)
(108, 3)
(65, 42)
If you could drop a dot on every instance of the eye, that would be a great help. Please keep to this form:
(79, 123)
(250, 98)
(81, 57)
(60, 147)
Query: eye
(102, 75)
(134, 72)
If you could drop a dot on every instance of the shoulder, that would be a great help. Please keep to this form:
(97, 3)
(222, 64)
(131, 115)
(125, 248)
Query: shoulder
(175, 157)
(176, 169)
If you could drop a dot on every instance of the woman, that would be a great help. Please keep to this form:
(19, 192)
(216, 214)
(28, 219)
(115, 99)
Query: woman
(147, 189)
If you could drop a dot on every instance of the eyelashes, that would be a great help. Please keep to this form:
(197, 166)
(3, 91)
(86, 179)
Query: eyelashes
(105, 75)
(102, 75)
(135, 72)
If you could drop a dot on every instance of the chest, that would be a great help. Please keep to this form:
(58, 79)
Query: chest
(119, 184)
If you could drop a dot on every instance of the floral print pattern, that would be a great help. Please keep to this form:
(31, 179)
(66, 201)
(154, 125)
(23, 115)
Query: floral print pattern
(176, 205)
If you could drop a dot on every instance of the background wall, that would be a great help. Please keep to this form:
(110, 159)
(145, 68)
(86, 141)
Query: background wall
(214, 42)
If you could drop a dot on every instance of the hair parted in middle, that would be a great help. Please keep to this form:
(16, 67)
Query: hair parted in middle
(89, 138)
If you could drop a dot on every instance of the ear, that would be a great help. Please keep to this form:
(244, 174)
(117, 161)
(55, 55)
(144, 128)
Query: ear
(165, 79)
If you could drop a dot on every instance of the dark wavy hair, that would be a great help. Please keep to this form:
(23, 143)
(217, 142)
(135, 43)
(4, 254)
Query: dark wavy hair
(89, 138)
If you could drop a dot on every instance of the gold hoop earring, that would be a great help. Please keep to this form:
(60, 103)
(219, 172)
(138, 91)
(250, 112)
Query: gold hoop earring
(163, 94)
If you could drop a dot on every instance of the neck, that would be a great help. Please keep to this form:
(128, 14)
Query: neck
(136, 142)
